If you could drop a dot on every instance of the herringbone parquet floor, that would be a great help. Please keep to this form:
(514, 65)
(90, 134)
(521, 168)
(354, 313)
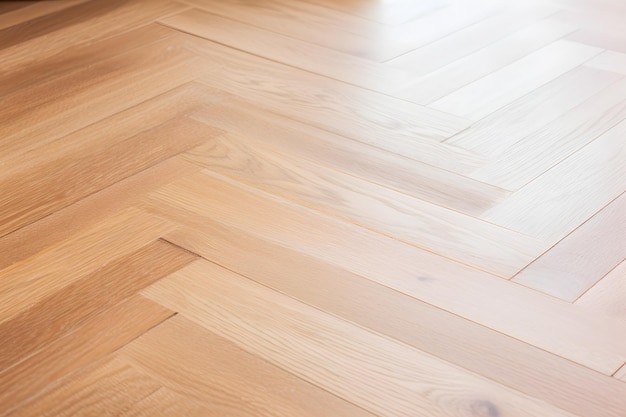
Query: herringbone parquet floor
(313, 208)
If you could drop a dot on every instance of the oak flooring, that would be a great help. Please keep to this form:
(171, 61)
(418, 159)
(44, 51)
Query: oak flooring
(313, 208)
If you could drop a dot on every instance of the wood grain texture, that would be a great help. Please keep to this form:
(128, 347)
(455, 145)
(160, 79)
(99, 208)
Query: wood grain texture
(16, 12)
(607, 295)
(335, 290)
(226, 379)
(324, 349)
(103, 334)
(585, 182)
(575, 264)
(405, 268)
(390, 170)
(377, 208)
(488, 94)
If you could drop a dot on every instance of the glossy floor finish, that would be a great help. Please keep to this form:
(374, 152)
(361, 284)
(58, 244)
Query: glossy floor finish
(313, 208)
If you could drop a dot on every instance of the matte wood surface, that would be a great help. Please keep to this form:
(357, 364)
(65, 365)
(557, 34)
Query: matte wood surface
(313, 208)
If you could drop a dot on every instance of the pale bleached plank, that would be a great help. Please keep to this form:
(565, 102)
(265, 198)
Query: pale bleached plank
(609, 61)
(98, 337)
(334, 290)
(395, 214)
(536, 153)
(468, 40)
(484, 96)
(377, 373)
(462, 73)
(550, 324)
(496, 133)
(561, 199)
(607, 295)
(25, 283)
(408, 176)
(577, 262)
(607, 38)
(290, 51)
(198, 364)
(382, 121)
(621, 373)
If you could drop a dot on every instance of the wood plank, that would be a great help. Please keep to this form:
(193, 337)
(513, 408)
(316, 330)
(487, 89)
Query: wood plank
(556, 203)
(16, 12)
(374, 372)
(496, 133)
(471, 39)
(609, 61)
(198, 364)
(621, 373)
(75, 168)
(488, 62)
(527, 159)
(438, 281)
(25, 283)
(405, 175)
(334, 290)
(373, 118)
(484, 96)
(397, 215)
(607, 295)
(66, 309)
(107, 19)
(575, 264)
(78, 57)
(54, 109)
(109, 388)
(606, 38)
(276, 47)
(98, 337)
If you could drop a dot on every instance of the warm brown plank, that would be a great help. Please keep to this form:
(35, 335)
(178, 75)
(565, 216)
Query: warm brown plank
(197, 363)
(560, 200)
(408, 176)
(497, 132)
(334, 290)
(483, 298)
(25, 283)
(77, 57)
(68, 308)
(607, 295)
(96, 338)
(397, 215)
(15, 12)
(75, 168)
(374, 372)
(582, 258)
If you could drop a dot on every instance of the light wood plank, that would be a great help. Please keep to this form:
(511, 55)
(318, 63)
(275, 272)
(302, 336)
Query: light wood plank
(486, 64)
(365, 368)
(561, 199)
(27, 282)
(69, 307)
(621, 373)
(197, 363)
(471, 39)
(334, 290)
(496, 133)
(527, 159)
(397, 215)
(438, 281)
(606, 38)
(609, 61)
(607, 295)
(408, 176)
(98, 337)
(582, 258)
(290, 51)
(373, 118)
(484, 96)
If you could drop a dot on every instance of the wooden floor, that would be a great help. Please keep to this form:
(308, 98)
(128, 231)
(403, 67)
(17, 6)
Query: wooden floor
(313, 208)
